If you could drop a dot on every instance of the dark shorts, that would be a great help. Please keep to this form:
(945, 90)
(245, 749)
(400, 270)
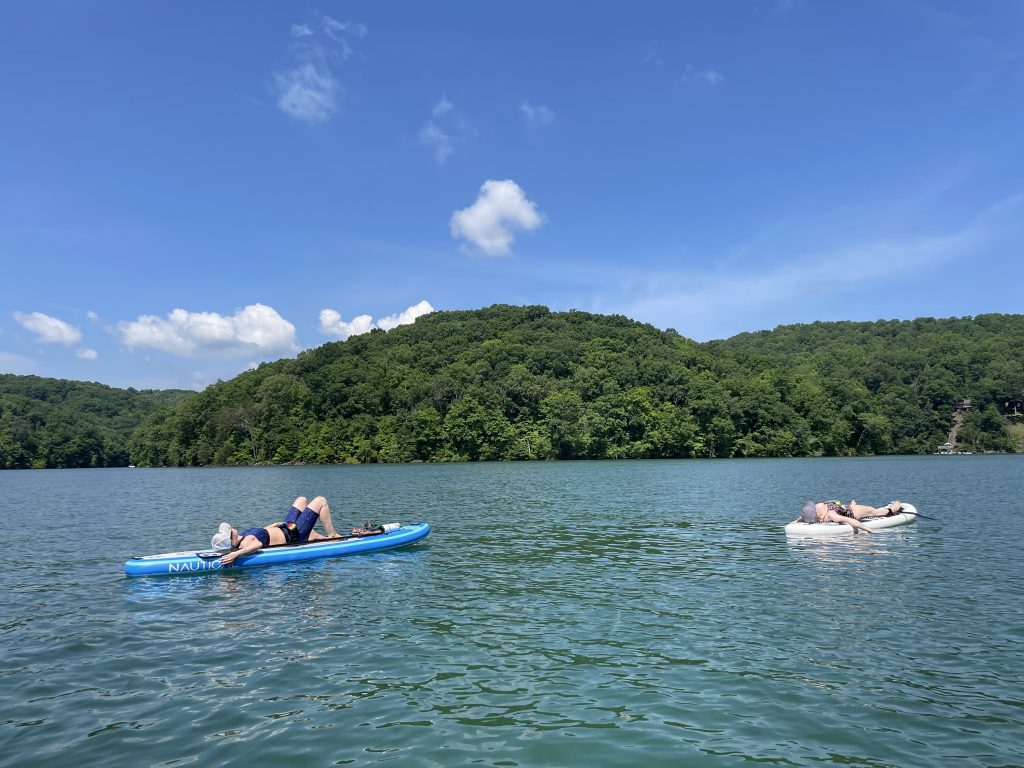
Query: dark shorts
(304, 522)
(260, 533)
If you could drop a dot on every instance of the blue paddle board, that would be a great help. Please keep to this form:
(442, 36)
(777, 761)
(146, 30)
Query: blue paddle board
(208, 561)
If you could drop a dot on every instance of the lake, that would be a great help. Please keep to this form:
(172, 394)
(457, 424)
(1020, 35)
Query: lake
(647, 613)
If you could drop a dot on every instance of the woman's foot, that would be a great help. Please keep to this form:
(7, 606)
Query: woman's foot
(894, 507)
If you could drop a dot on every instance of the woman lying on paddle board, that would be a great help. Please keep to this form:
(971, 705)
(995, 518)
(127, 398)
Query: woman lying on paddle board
(296, 528)
(834, 512)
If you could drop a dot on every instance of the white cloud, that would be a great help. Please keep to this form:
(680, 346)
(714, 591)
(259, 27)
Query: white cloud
(48, 330)
(491, 222)
(537, 114)
(444, 130)
(406, 317)
(308, 93)
(331, 323)
(432, 135)
(86, 354)
(443, 107)
(708, 77)
(92, 315)
(338, 30)
(254, 328)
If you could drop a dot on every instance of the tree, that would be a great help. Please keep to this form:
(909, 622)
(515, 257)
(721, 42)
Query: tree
(566, 419)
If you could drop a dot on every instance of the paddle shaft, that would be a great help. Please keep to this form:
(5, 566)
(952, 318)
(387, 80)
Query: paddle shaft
(916, 514)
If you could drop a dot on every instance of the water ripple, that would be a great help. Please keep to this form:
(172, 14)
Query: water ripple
(608, 614)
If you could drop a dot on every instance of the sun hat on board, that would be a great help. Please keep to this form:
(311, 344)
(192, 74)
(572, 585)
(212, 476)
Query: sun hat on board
(222, 538)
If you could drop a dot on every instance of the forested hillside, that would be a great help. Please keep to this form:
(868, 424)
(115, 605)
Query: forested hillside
(926, 364)
(58, 423)
(516, 383)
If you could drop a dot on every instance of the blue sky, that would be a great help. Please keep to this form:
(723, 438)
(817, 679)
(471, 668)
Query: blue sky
(187, 189)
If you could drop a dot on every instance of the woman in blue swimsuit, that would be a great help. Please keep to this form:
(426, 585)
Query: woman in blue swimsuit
(296, 528)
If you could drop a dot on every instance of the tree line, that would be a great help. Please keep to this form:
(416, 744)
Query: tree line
(524, 383)
(55, 423)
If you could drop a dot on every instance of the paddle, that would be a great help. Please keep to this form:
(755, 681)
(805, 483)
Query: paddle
(923, 517)
(915, 514)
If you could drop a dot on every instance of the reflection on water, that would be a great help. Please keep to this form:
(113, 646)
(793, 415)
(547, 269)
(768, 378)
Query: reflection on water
(856, 550)
(608, 614)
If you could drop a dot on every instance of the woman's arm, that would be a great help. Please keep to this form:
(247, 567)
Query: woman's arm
(851, 521)
(246, 546)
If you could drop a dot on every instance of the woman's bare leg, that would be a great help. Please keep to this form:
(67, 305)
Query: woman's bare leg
(863, 510)
(323, 511)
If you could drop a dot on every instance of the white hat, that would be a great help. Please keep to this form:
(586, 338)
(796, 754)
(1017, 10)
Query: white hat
(222, 538)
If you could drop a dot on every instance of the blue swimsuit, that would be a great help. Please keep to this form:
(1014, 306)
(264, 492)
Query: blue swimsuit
(260, 533)
(296, 528)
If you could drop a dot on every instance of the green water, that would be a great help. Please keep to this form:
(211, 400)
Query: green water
(562, 614)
